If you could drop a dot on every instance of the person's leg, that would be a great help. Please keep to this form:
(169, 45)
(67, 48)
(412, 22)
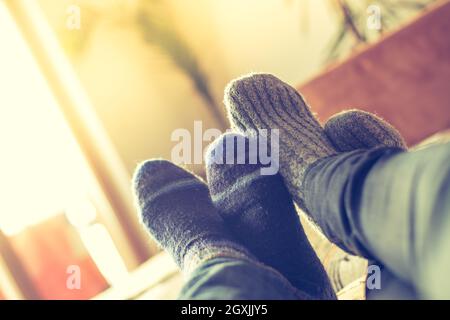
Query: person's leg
(355, 129)
(417, 183)
(238, 279)
(389, 205)
(259, 210)
(177, 210)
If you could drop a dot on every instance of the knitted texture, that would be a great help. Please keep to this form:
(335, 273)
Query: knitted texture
(176, 208)
(356, 129)
(262, 101)
(260, 211)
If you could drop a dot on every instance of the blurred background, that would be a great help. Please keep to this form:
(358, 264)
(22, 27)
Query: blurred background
(89, 88)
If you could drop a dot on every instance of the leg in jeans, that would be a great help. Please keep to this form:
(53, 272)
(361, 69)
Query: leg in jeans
(238, 279)
(389, 205)
(381, 203)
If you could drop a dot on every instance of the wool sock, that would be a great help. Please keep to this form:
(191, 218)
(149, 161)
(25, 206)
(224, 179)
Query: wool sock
(259, 210)
(356, 129)
(176, 208)
(262, 101)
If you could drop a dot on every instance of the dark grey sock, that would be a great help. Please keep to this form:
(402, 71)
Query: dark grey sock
(176, 208)
(260, 211)
(356, 129)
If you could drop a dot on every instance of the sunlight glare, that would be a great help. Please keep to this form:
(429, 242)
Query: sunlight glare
(40, 169)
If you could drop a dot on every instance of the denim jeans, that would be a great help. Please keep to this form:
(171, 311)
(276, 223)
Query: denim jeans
(383, 204)
(238, 279)
(390, 206)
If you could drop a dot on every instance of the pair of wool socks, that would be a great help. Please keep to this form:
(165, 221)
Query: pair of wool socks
(251, 216)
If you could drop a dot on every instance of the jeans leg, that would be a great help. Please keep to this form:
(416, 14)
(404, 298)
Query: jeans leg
(391, 206)
(238, 279)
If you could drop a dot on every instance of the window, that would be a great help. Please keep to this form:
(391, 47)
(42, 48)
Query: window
(54, 214)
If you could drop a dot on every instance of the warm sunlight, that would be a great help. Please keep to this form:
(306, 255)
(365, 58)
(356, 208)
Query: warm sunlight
(41, 170)
(112, 180)
(43, 173)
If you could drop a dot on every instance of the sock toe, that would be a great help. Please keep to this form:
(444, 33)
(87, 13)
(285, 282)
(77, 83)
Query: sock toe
(176, 209)
(154, 175)
(262, 101)
(233, 164)
(356, 129)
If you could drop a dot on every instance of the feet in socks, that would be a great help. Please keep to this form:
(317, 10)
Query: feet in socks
(262, 101)
(356, 129)
(260, 212)
(176, 208)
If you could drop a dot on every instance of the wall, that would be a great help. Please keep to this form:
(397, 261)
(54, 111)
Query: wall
(141, 97)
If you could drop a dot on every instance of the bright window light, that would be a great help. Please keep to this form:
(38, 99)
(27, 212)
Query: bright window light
(41, 169)
(104, 253)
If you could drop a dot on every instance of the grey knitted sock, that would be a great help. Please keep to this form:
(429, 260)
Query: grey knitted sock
(259, 210)
(261, 101)
(176, 208)
(356, 129)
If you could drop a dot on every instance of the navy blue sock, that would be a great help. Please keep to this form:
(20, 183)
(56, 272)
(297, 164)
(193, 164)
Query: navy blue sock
(259, 210)
(176, 208)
